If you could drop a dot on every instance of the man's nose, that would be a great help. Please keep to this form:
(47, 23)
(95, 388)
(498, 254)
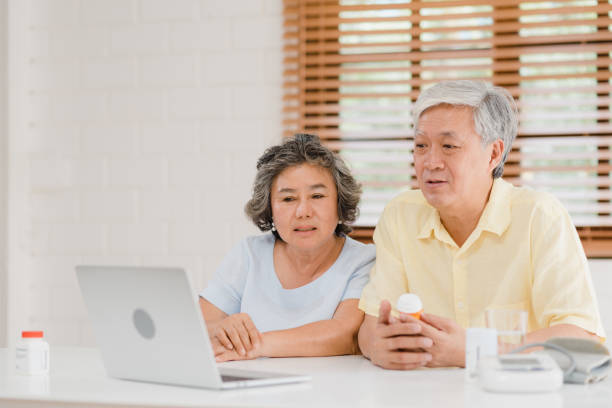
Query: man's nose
(433, 159)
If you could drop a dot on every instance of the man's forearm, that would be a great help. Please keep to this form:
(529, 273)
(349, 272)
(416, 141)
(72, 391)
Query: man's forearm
(560, 330)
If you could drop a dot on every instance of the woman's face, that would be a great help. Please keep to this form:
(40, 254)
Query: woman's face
(304, 203)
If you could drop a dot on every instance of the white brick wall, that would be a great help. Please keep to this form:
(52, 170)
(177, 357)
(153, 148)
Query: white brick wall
(3, 170)
(164, 11)
(134, 141)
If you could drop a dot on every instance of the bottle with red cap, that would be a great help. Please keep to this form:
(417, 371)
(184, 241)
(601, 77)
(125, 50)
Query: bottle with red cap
(32, 354)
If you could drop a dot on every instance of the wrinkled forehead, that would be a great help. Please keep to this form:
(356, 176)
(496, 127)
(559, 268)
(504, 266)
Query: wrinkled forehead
(445, 106)
(445, 119)
(304, 175)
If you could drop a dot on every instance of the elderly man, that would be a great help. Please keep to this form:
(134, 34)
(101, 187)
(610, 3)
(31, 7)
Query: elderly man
(468, 240)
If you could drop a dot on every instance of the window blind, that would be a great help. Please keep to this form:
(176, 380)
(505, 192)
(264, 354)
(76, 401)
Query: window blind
(353, 69)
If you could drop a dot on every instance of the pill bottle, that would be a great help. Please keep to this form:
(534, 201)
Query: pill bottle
(32, 354)
(410, 304)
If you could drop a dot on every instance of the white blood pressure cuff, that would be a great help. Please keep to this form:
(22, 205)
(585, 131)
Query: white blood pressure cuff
(591, 357)
(583, 361)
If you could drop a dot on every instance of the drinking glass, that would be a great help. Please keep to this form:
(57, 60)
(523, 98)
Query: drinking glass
(511, 326)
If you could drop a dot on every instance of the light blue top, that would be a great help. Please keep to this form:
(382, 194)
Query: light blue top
(246, 282)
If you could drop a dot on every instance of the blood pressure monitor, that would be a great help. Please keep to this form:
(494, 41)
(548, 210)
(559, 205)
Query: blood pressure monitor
(520, 373)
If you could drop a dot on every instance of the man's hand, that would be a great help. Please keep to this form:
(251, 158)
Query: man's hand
(448, 337)
(398, 344)
(237, 333)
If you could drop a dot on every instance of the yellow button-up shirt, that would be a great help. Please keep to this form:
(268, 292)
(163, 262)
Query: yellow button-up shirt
(523, 254)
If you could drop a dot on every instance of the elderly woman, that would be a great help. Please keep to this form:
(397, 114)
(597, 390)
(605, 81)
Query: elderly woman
(293, 291)
(467, 240)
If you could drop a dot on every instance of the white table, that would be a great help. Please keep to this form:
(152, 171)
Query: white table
(78, 378)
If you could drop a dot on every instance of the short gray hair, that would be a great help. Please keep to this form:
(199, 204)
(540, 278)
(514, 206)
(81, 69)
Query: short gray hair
(495, 111)
(300, 149)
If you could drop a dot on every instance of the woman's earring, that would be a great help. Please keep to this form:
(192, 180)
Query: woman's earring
(340, 222)
(273, 227)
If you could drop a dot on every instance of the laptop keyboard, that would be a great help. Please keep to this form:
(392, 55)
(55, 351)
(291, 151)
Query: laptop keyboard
(230, 378)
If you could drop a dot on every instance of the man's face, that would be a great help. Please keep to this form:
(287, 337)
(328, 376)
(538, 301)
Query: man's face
(453, 169)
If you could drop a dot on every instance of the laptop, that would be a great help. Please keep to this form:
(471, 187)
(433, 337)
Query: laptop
(149, 327)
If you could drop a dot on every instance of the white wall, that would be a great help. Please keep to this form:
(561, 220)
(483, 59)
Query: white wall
(601, 270)
(3, 166)
(135, 127)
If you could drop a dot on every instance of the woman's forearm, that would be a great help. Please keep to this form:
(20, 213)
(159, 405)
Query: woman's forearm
(212, 315)
(322, 338)
(211, 325)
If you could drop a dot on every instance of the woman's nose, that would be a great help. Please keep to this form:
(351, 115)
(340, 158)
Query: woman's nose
(304, 209)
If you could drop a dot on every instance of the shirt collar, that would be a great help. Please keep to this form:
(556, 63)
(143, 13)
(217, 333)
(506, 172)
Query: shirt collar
(495, 217)
(431, 221)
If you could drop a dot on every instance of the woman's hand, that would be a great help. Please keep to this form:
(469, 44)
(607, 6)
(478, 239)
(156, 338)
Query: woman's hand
(238, 334)
(223, 354)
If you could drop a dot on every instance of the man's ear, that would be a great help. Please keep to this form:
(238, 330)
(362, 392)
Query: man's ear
(497, 152)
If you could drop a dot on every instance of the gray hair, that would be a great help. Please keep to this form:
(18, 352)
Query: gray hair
(300, 149)
(494, 109)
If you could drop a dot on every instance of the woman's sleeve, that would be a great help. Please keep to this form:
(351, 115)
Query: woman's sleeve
(360, 276)
(226, 287)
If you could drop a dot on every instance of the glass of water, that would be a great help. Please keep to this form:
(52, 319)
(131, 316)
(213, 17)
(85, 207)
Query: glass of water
(511, 326)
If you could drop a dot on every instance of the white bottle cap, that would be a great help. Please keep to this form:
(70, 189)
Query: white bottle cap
(409, 303)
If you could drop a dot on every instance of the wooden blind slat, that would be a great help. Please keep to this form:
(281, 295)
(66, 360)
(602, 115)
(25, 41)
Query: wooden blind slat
(325, 84)
(547, 103)
(417, 69)
(498, 40)
(331, 33)
(315, 20)
(333, 6)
